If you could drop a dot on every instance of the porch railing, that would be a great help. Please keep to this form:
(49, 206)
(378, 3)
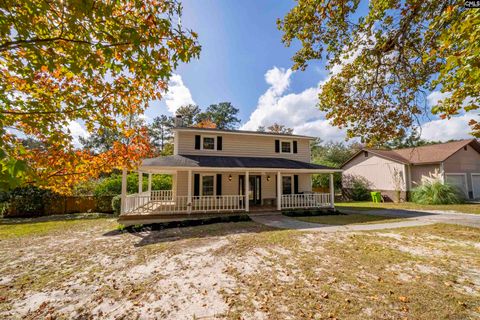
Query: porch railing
(163, 201)
(218, 203)
(307, 200)
(136, 200)
(162, 195)
(160, 201)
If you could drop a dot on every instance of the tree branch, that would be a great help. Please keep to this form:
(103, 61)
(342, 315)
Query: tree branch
(15, 44)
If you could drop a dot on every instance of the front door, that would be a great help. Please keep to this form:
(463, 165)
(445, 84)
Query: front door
(254, 188)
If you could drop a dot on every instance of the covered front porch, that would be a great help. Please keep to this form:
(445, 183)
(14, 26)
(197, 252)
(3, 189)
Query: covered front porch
(199, 190)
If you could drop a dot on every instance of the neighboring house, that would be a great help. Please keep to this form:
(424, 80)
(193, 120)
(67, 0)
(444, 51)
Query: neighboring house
(212, 171)
(402, 169)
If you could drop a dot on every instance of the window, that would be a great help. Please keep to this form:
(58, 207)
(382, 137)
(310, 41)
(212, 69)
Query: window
(287, 185)
(208, 143)
(208, 185)
(286, 146)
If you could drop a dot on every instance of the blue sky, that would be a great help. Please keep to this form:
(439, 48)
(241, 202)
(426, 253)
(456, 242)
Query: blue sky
(240, 42)
(243, 61)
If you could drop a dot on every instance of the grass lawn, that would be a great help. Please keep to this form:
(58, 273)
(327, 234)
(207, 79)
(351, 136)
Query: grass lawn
(463, 208)
(343, 219)
(88, 268)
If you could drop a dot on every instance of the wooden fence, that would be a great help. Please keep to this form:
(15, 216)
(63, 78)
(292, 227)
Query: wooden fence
(62, 205)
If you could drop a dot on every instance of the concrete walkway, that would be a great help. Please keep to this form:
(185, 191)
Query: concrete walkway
(414, 219)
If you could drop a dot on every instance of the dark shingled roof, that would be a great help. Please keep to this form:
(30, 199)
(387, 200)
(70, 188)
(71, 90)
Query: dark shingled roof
(433, 153)
(229, 162)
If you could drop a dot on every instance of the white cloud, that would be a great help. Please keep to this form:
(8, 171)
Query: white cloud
(447, 129)
(435, 96)
(295, 110)
(77, 130)
(278, 79)
(178, 94)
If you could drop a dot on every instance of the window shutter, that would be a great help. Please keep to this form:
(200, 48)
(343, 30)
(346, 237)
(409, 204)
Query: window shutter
(219, 184)
(196, 185)
(277, 146)
(219, 143)
(294, 146)
(295, 184)
(197, 142)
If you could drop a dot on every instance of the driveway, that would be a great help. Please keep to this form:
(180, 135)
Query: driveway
(415, 218)
(437, 216)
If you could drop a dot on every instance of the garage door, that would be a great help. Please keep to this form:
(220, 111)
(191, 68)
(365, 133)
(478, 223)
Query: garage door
(458, 181)
(476, 185)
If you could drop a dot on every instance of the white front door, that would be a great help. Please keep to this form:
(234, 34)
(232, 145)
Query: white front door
(476, 185)
(459, 181)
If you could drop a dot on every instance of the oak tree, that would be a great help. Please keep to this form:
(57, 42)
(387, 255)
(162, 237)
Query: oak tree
(94, 62)
(279, 128)
(385, 63)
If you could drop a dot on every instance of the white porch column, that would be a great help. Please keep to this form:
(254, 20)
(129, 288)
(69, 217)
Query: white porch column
(140, 182)
(149, 183)
(279, 191)
(124, 191)
(332, 192)
(189, 199)
(247, 201)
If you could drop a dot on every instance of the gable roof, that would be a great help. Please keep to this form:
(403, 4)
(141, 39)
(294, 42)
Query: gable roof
(194, 161)
(433, 153)
(246, 132)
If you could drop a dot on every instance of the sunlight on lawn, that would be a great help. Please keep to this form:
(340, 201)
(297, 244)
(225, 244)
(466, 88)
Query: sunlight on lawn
(258, 271)
(12, 229)
(462, 208)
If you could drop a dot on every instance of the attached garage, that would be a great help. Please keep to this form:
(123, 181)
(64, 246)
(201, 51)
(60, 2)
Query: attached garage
(458, 180)
(458, 162)
(476, 185)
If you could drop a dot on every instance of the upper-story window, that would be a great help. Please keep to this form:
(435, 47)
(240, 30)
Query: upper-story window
(286, 146)
(208, 143)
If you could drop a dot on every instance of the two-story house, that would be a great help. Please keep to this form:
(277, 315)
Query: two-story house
(224, 171)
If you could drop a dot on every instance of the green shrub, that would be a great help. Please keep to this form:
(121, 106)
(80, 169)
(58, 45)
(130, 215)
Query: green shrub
(323, 180)
(436, 192)
(355, 188)
(113, 185)
(85, 188)
(103, 204)
(360, 191)
(116, 204)
(27, 202)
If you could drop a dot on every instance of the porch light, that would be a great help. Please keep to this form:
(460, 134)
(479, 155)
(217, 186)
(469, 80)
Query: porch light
(229, 177)
(268, 178)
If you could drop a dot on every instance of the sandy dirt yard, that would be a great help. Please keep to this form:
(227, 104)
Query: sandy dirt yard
(88, 269)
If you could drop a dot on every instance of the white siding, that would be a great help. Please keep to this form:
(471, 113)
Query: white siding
(377, 171)
(242, 146)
